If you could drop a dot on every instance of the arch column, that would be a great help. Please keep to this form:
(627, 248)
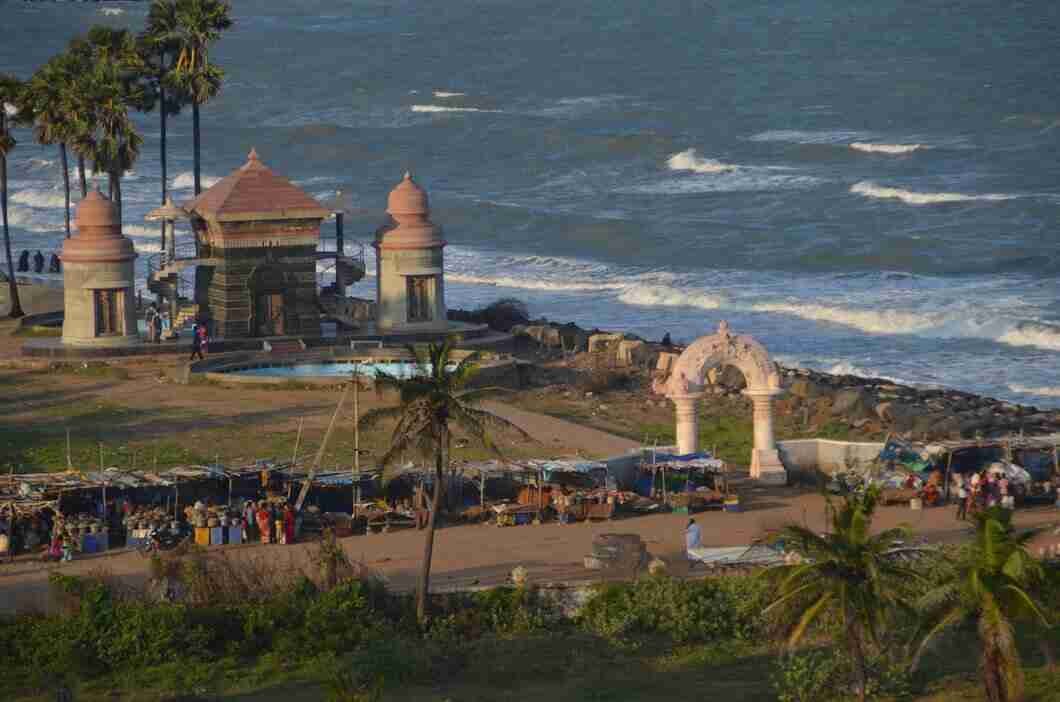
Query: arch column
(766, 465)
(687, 428)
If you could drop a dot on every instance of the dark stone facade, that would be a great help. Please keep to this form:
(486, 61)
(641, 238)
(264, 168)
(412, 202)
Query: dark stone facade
(261, 278)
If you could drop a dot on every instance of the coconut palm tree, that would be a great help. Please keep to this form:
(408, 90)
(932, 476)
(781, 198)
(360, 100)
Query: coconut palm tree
(11, 90)
(432, 401)
(995, 584)
(199, 24)
(113, 84)
(160, 42)
(847, 575)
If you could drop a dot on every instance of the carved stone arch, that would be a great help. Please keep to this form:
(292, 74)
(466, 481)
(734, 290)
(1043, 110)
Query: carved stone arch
(687, 382)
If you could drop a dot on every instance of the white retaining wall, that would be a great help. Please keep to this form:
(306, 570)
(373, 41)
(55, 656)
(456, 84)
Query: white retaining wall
(807, 457)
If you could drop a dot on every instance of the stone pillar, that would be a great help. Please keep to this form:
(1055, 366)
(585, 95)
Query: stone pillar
(687, 429)
(766, 466)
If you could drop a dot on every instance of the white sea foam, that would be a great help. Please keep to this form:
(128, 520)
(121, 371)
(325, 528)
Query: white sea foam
(909, 197)
(742, 179)
(1041, 391)
(1043, 336)
(666, 296)
(892, 149)
(186, 181)
(112, 11)
(444, 94)
(800, 136)
(41, 198)
(442, 108)
(689, 160)
(949, 324)
(531, 283)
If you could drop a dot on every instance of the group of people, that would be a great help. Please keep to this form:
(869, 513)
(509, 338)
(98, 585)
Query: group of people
(981, 491)
(269, 523)
(156, 320)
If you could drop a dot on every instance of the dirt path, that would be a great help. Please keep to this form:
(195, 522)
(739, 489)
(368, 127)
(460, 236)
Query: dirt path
(481, 555)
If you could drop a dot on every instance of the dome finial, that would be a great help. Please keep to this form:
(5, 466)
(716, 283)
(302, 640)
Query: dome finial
(253, 155)
(408, 175)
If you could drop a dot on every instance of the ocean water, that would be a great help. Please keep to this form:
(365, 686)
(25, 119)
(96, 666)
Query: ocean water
(866, 187)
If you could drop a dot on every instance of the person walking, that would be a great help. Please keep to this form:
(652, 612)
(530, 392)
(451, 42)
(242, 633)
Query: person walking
(149, 320)
(196, 344)
(962, 499)
(288, 524)
(204, 340)
(158, 327)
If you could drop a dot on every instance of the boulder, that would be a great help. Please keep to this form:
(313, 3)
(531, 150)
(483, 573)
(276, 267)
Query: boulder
(726, 378)
(905, 416)
(633, 353)
(805, 388)
(665, 363)
(603, 342)
(574, 338)
(852, 403)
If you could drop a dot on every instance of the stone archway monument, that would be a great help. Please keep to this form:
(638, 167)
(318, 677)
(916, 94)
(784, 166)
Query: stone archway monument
(685, 388)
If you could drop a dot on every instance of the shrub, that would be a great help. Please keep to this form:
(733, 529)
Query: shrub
(821, 675)
(681, 610)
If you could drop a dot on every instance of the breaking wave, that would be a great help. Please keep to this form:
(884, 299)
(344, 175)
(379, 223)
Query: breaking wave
(893, 149)
(943, 325)
(1044, 391)
(799, 136)
(186, 181)
(689, 160)
(442, 108)
(531, 284)
(41, 199)
(871, 190)
(444, 94)
(743, 179)
(666, 296)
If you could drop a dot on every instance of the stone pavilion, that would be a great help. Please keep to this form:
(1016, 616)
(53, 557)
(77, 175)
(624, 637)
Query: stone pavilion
(257, 237)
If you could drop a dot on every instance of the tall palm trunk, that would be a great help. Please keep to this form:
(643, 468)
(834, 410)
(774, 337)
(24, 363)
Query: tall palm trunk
(66, 185)
(993, 680)
(81, 174)
(12, 283)
(428, 544)
(115, 190)
(195, 139)
(858, 653)
(162, 140)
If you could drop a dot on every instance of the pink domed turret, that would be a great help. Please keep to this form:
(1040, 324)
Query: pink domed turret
(408, 199)
(411, 228)
(99, 238)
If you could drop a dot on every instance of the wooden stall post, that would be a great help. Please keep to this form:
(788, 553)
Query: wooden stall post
(297, 441)
(949, 464)
(356, 439)
(69, 460)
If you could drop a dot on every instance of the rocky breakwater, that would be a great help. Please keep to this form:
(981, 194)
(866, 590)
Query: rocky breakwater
(879, 405)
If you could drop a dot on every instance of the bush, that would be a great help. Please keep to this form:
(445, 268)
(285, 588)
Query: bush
(682, 611)
(821, 675)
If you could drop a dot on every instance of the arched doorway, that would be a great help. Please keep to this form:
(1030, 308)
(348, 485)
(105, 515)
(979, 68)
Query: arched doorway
(685, 389)
(270, 294)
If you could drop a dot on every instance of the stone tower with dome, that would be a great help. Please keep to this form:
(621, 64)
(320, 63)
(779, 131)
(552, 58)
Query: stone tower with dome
(99, 279)
(410, 284)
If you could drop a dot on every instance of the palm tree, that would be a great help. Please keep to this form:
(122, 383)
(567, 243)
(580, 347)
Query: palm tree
(10, 95)
(113, 83)
(47, 95)
(994, 584)
(161, 42)
(199, 23)
(429, 402)
(846, 575)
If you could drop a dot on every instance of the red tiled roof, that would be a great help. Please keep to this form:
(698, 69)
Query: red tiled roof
(255, 190)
